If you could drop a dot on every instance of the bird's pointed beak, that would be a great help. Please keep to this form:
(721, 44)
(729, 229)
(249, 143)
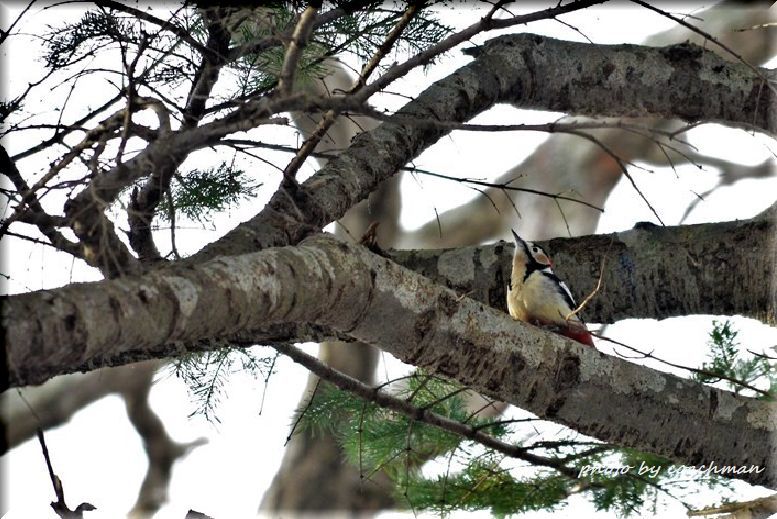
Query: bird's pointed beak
(518, 239)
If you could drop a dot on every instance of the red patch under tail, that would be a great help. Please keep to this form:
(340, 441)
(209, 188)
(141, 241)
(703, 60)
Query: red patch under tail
(581, 335)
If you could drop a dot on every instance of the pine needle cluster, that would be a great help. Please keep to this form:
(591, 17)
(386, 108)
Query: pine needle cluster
(464, 475)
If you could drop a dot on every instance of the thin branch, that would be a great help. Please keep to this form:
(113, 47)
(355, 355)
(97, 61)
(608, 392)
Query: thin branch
(59, 505)
(623, 168)
(402, 406)
(36, 211)
(164, 25)
(75, 125)
(487, 23)
(598, 284)
(719, 376)
(301, 414)
(505, 187)
(299, 39)
(5, 33)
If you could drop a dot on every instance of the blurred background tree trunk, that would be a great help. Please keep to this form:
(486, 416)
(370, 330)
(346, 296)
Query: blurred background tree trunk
(313, 476)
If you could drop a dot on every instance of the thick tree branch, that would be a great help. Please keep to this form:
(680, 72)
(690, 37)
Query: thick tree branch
(366, 296)
(679, 81)
(723, 272)
(643, 81)
(651, 272)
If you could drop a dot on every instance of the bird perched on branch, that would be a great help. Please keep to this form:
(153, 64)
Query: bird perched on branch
(536, 295)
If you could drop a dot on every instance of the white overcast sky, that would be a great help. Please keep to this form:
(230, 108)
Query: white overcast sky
(99, 456)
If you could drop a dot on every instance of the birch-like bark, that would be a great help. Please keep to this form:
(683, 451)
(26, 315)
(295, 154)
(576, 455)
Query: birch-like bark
(378, 302)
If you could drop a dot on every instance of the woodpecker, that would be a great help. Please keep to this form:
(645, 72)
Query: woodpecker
(536, 295)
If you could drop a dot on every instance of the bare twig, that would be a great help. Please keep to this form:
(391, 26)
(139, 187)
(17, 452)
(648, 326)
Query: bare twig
(503, 187)
(42, 220)
(164, 25)
(59, 505)
(598, 284)
(623, 168)
(487, 23)
(5, 33)
(66, 129)
(301, 414)
(649, 355)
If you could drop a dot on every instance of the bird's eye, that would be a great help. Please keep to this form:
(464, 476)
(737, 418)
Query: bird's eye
(535, 249)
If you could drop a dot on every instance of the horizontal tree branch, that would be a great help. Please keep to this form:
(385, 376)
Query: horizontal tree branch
(377, 302)
(650, 272)
(678, 81)
(682, 81)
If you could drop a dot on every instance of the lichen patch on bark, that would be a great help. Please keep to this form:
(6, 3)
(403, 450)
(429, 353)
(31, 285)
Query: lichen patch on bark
(450, 265)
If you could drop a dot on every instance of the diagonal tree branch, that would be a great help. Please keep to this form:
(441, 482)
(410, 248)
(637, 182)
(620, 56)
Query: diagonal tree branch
(352, 290)
(36, 214)
(522, 70)
(585, 168)
(423, 414)
(709, 265)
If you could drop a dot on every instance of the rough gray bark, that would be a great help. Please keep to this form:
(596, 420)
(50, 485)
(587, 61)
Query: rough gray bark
(772, 306)
(681, 81)
(518, 69)
(582, 167)
(652, 272)
(354, 291)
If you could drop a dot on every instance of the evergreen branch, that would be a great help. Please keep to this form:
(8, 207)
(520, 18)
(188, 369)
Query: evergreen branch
(385, 47)
(164, 25)
(352, 385)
